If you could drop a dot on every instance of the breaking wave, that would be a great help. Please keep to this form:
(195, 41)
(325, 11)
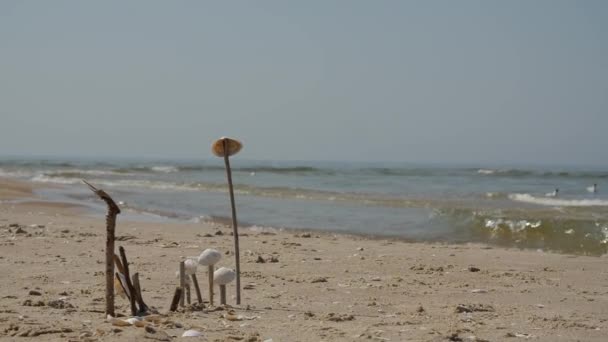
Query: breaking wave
(530, 230)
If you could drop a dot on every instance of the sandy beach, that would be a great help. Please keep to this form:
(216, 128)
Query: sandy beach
(311, 286)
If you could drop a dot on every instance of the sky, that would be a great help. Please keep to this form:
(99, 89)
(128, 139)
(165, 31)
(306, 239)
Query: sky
(406, 81)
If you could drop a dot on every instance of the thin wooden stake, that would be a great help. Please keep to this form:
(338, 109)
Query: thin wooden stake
(182, 282)
(197, 289)
(113, 211)
(188, 294)
(176, 297)
(234, 224)
(210, 272)
(125, 265)
(223, 294)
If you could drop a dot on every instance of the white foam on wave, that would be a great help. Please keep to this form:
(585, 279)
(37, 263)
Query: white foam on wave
(15, 174)
(513, 225)
(164, 168)
(42, 178)
(558, 202)
(486, 171)
(85, 172)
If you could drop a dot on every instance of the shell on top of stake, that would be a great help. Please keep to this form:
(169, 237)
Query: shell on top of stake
(209, 257)
(190, 266)
(233, 147)
(223, 276)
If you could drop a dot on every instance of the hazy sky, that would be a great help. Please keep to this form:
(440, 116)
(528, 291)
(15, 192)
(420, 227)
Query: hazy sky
(441, 81)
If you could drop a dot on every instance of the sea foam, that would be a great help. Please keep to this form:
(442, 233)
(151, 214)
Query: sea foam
(558, 202)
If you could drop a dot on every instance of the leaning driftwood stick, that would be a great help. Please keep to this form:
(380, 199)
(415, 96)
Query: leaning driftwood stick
(143, 308)
(235, 228)
(125, 265)
(176, 297)
(118, 263)
(197, 289)
(113, 211)
(182, 282)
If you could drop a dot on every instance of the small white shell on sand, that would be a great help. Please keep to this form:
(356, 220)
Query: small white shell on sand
(192, 333)
(132, 320)
(223, 276)
(117, 321)
(190, 266)
(209, 257)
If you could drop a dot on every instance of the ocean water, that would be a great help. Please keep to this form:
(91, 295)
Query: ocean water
(509, 206)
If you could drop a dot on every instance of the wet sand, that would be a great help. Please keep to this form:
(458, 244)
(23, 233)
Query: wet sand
(311, 286)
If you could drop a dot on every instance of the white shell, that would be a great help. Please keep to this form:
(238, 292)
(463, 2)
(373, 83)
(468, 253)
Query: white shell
(209, 257)
(192, 333)
(118, 322)
(190, 266)
(223, 276)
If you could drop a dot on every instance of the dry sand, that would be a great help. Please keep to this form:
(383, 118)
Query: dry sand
(322, 287)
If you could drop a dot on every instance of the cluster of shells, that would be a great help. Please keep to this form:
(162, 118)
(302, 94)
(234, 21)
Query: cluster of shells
(209, 257)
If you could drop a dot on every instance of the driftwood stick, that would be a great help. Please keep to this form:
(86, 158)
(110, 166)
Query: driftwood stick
(118, 263)
(235, 228)
(197, 289)
(182, 282)
(113, 211)
(125, 264)
(210, 273)
(176, 297)
(140, 300)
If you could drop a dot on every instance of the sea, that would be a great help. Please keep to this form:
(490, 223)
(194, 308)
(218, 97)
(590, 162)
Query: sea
(513, 206)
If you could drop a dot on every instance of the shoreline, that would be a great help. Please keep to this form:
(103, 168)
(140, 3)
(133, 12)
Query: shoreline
(323, 286)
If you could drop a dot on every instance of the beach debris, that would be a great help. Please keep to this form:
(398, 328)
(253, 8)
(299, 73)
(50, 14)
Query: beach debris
(333, 317)
(60, 304)
(112, 212)
(158, 335)
(118, 322)
(209, 257)
(44, 331)
(232, 316)
(29, 302)
(319, 280)
(225, 147)
(222, 277)
(35, 293)
(479, 291)
(522, 335)
(473, 269)
(192, 333)
(474, 308)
